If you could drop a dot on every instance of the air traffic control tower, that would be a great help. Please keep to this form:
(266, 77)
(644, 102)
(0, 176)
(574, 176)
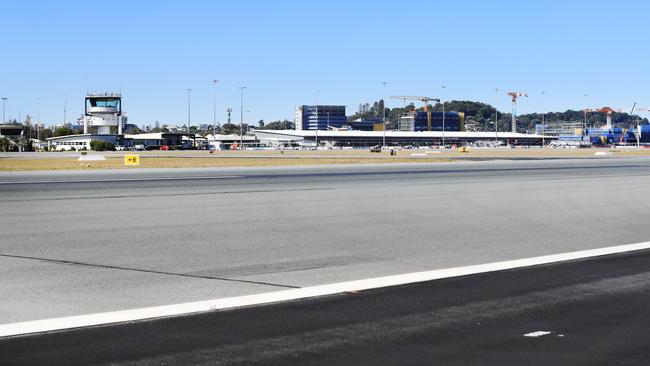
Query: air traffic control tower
(103, 111)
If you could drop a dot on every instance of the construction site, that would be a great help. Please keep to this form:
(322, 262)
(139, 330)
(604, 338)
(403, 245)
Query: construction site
(325, 126)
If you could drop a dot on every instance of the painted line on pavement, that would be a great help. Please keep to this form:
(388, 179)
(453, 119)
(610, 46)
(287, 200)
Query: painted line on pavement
(48, 325)
(120, 180)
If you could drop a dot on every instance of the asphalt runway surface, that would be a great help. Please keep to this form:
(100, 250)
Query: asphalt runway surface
(75, 243)
(584, 312)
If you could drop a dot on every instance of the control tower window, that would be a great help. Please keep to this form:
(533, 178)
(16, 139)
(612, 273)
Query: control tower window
(105, 103)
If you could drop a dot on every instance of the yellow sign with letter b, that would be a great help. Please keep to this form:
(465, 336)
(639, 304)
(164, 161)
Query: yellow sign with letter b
(131, 159)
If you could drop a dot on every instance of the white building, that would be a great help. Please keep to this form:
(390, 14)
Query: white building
(393, 138)
(81, 142)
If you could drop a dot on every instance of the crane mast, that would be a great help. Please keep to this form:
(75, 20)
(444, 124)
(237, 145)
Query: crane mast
(514, 96)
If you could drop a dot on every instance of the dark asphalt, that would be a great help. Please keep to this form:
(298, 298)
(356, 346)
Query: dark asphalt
(596, 311)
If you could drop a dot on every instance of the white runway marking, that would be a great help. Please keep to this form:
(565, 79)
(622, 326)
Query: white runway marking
(48, 325)
(539, 333)
(119, 180)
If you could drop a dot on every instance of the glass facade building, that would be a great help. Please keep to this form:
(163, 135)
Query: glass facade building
(321, 117)
(419, 121)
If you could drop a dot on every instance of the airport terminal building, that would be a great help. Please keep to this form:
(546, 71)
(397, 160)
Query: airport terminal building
(393, 138)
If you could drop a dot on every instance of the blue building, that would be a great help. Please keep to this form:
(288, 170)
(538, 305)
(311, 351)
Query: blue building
(605, 137)
(320, 117)
(419, 121)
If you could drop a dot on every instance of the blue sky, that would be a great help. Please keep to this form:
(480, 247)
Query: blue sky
(283, 51)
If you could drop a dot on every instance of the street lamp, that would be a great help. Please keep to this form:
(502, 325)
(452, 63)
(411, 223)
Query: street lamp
(241, 118)
(4, 105)
(65, 108)
(496, 117)
(443, 115)
(584, 127)
(543, 119)
(317, 121)
(214, 110)
(38, 120)
(384, 117)
(189, 109)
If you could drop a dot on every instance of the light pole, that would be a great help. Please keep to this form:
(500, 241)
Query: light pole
(189, 112)
(443, 115)
(496, 117)
(638, 133)
(214, 110)
(384, 115)
(317, 121)
(65, 109)
(4, 107)
(241, 117)
(543, 119)
(38, 120)
(584, 128)
(328, 121)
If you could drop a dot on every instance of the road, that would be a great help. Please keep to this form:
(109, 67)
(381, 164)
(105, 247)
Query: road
(76, 243)
(585, 312)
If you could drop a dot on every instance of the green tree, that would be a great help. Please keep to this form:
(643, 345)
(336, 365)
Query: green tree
(62, 131)
(280, 125)
(46, 133)
(230, 129)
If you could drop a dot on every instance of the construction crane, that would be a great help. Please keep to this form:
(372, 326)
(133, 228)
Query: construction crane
(424, 100)
(514, 96)
(608, 113)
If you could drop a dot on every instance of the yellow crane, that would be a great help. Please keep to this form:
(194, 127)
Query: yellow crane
(424, 100)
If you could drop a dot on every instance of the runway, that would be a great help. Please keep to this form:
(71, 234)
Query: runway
(75, 243)
(575, 313)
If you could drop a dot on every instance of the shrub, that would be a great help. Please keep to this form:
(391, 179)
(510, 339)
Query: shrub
(99, 145)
